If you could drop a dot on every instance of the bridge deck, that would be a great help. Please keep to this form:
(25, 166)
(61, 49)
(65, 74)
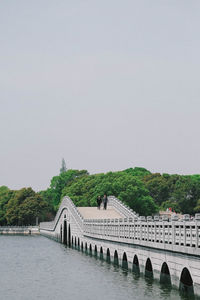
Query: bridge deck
(94, 213)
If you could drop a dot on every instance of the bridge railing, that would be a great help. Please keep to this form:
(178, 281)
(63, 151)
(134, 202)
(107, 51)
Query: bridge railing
(123, 209)
(20, 227)
(65, 204)
(68, 203)
(185, 234)
(76, 214)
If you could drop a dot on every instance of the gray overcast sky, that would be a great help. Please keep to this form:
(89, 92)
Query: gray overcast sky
(105, 84)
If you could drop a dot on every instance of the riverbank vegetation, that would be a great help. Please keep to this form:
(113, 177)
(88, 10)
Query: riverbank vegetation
(143, 191)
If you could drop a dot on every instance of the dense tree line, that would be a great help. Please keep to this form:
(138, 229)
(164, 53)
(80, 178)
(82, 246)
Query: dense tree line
(124, 185)
(143, 191)
(22, 207)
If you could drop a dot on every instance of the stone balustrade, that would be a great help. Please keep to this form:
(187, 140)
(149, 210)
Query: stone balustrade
(65, 204)
(121, 207)
(175, 235)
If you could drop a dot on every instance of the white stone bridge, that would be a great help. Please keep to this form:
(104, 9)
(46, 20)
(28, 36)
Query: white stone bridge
(165, 250)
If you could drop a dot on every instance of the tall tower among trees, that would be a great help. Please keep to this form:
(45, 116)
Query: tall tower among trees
(63, 167)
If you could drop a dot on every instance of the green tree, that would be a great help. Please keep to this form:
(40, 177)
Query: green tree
(5, 195)
(59, 182)
(197, 207)
(32, 207)
(185, 193)
(158, 187)
(24, 206)
(48, 197)
(137, 171)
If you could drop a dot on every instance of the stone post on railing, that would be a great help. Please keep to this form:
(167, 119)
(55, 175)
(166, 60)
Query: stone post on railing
(197, 222)
(185, 219)
(174, 219)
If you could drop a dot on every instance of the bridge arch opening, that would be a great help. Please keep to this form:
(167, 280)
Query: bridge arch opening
(65, 233)
(124, 262)
(86, 247)
(82, 246)
(101, 253)
(186, 283)
(78, 243)
(116, 259)
(69, 235)
(72, 240)
(108, 256)
(165, 277)
(90, 249)
(148, 269)
(136, 266)
(61, 239)
(75, 241)
(95, 251)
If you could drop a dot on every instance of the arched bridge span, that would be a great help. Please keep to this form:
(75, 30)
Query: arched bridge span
(167, 251)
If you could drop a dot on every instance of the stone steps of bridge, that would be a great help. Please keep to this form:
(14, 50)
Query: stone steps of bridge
(95, 213)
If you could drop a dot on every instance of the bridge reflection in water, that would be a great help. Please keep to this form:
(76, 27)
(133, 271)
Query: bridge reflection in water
(168, 251)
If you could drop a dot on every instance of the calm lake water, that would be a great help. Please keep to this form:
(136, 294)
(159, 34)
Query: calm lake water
(34, 267)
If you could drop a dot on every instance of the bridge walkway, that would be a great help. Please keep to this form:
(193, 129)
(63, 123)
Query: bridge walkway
(95, 213)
